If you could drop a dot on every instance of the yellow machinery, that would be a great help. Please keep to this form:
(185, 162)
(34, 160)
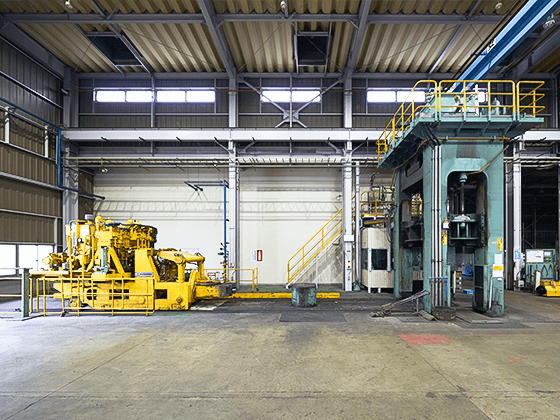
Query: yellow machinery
(114, 266)
(548, 288)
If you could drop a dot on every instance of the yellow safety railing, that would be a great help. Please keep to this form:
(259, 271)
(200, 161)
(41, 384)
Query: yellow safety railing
(87, 290)
(45, 300)
(315, 245)
(376, 203)
(466, 101)
(528, 102)
(405, 114)
(500, 98)
(10, 296)
(217, 274)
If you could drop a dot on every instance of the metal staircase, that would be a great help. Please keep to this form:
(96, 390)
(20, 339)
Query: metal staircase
(314, 247)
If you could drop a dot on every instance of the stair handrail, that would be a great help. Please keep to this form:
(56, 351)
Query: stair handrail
(325, 240)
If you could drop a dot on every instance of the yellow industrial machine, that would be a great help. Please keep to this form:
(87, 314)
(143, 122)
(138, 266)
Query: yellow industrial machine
(548, 288)
(114, 266)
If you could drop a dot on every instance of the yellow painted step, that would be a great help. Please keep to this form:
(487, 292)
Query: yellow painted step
(281, 295)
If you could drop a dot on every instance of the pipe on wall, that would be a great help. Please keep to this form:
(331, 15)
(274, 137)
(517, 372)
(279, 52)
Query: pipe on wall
(58, 152)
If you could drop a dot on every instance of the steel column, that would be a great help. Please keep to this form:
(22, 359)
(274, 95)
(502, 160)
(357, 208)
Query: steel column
(233, 212)
(7, 126)
(347, 219)
(357, 222)
(347, 105)
(70, 198)
(516, 217)
(70, 108)
(25, 293)
(233, 109)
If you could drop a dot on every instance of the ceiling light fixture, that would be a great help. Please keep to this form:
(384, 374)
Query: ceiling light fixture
(104, 170)
(498, 5)
(283, 5)
(68, 4)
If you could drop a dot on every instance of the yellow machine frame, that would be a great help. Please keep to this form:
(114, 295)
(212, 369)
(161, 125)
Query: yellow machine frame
(114, 266)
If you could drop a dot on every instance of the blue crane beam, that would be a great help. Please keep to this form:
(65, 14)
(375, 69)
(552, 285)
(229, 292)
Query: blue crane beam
(523, 23)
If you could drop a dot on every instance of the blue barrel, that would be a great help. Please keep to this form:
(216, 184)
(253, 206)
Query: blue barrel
(304, 295)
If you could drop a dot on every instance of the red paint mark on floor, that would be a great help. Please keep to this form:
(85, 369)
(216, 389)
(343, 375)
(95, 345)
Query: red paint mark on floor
(425, 339)
(514, 360)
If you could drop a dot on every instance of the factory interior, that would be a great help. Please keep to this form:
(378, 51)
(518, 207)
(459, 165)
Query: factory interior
(262, 209)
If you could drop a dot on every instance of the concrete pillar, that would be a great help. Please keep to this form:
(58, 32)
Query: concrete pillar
(357, 243)
(348, 237)
(232, 96)
(516, 217)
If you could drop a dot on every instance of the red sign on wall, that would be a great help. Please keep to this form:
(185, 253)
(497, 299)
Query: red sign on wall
(259, 254)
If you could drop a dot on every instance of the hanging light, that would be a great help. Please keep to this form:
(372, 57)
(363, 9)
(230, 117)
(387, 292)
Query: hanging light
(498, 5)
(68, 4)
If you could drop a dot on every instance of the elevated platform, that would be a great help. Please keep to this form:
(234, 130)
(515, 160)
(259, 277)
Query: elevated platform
(454, 111)
(455, 126)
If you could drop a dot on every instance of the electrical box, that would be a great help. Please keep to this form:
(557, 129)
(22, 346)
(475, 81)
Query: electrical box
(377, 267)
(543, 260)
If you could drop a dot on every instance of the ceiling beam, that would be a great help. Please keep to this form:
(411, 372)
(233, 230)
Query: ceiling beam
(209, 14)
(357, 39)
(139, 18)
(453, 38)
(220, 134)
(206, 75)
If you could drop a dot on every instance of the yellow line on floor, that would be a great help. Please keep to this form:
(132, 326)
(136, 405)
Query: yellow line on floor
(280, 295)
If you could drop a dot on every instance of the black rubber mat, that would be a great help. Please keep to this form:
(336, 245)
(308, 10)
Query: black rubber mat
(305, 316)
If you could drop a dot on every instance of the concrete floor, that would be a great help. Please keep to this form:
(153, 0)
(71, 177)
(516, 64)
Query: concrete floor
(240, 362)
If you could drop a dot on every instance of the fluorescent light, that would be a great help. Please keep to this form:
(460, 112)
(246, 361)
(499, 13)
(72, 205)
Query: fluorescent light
(407, 96)
(170, 96)
(381, 96)
(305, 96)
(110, 96)
(138, 96)
(275, 95)
(201, 96)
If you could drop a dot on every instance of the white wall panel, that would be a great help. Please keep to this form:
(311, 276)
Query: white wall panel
(185, 219)
(280, 209)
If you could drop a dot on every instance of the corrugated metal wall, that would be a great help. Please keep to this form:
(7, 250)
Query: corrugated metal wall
(28, 211)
